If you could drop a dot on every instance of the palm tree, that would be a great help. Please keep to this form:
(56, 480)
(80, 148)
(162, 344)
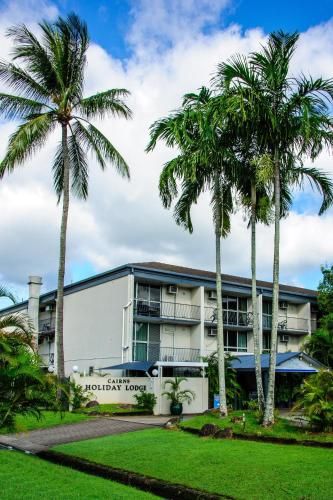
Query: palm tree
(48, 88)
(291, 119)
(17, 326)
(204, 163)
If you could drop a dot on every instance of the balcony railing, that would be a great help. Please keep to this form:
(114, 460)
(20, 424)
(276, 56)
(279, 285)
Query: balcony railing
(286, 323)
(46, 326)
(179, 354)
(168, 310)
(47, 359)
(230, 318)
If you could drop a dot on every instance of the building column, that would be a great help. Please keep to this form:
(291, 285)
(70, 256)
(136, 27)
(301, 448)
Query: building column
(260, 321)
(35, 283)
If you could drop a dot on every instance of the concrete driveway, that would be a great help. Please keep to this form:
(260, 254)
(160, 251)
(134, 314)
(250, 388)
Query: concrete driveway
(41, 439)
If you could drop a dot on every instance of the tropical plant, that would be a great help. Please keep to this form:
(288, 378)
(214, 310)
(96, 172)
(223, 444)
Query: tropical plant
(77, 395)
(145, 400)
(205, 163)
(48, 86)
(320, 343)
(325, 290)
(316, 400)
(15, 328)
(175, 395)
(292, 121)
(233, 388)
(24, 387)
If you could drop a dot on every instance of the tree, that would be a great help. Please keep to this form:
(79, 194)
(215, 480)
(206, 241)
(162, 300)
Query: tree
(16, 325)
(48, 86)
(320, 343)
(212, 372)
(316, 400)
(291, 118)
(204, 164)
(325, 290)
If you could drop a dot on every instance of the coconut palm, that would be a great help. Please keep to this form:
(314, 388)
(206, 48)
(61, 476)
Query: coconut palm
(204, 164)
(291, 119)
(48, 89)
(16, 328)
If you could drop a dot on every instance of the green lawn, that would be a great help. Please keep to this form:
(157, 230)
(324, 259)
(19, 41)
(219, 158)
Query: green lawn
(27, 477)
(283, 428)
(245, 470)
(48, 419)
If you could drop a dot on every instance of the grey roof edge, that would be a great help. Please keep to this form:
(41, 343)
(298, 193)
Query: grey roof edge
(129, 268)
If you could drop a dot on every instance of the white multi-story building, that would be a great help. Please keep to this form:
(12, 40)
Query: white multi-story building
(160, 312)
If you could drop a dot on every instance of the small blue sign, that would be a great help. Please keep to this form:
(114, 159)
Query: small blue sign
(216, 401)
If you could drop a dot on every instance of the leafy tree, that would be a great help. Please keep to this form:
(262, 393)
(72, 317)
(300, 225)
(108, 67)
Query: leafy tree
(48, 89)
(205, 163)
(292, 121)
(325, 290)
(320, 343)
(316, 400)
(24, 388)
(233, 388)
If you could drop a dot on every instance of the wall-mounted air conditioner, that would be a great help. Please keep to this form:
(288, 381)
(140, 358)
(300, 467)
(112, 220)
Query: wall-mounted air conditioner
(172, 289)
(212, 295)
(284, 338)
(212, 332)
(283, 305)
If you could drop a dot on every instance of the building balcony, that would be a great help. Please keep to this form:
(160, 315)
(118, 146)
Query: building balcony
(46, 326)
(179, 354)
(230, 318)
(47, 359)
(288, 323)
(171, 311)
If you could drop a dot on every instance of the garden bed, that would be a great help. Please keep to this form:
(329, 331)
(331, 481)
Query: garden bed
(283, 431)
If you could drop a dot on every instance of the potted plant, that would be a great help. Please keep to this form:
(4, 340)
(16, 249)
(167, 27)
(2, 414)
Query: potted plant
(176, 396)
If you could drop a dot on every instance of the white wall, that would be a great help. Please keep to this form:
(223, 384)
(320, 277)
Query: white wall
(93, 325)
(115, 389)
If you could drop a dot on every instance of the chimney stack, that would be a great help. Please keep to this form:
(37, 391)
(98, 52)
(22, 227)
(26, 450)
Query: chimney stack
(35, 283)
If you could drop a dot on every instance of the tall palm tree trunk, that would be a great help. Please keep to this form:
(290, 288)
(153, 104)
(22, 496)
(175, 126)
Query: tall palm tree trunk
(220, 336)
(59, 336)
(256, 336)
(269, 407)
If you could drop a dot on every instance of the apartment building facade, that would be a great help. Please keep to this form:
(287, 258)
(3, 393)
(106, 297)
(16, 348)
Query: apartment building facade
(162, 313)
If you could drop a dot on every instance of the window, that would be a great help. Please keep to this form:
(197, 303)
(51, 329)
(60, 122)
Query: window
(146, 342)
(235, 311)
(235, 341)
(266, 342)
(148, 300)
(266, 314)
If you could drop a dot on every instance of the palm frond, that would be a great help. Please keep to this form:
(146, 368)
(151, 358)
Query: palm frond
(6, 293)
(108, 103)
(27, 139)
(14, 107)
(22, 82)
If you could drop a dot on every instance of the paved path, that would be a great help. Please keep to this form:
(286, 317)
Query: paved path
(41, 439)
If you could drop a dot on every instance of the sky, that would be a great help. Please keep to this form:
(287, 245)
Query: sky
(159, 50)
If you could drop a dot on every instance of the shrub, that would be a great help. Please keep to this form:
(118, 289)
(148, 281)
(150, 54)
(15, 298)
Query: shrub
(145, 400)
(316, 400)
(78, 395)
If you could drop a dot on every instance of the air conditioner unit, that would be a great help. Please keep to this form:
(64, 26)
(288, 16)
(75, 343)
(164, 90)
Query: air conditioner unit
(212, 332)
(212, 295)
(172, 289)
(283, 305)
(284, 338)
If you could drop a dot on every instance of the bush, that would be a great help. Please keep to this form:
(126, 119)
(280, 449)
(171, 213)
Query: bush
(316, 400)
(145, 400)
(78, 396)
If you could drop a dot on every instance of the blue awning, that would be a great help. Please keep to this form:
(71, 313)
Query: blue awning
(140, 366)
(286, 362)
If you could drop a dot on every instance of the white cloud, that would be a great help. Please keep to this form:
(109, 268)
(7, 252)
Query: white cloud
(125, 222)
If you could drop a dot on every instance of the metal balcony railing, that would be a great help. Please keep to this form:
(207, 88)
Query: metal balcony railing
(47, 359)
(179, 354)
(286, 323)
(230, 318)
(168, 310)
(46, 326)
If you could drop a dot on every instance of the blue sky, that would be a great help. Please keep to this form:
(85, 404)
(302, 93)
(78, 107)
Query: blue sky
(159, 50)
(110, 20)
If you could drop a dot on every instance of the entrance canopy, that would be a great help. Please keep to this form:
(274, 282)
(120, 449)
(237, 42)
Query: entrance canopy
(140, 366)
(286, 362)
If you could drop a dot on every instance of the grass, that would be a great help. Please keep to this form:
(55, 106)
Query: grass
(111, 408)
(242, 469)
(283, 428)
(48, 419)
(28, 477)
